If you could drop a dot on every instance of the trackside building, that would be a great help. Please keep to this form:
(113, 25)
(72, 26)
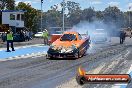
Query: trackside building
(13, 19)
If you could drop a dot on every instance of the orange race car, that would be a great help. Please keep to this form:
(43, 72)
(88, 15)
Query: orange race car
(70, 44)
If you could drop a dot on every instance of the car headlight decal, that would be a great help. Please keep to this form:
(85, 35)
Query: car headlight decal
(52, 46)
(62, 49)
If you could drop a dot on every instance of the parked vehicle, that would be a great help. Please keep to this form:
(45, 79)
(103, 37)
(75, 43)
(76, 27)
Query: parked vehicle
(99, 36)
(38, 34)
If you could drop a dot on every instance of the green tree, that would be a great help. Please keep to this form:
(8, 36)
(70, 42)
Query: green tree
(71, 18)
(88, 14)
(30, 15)
(7, 4)
(53, 18)
(112, 14)
(74, 13)
(72, 6)
(74, 17)
(128, 19)
(99, 15)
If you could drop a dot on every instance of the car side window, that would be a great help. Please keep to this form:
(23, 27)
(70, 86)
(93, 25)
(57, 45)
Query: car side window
(80, 37)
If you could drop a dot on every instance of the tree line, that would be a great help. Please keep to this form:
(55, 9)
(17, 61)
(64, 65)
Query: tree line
(74, 15)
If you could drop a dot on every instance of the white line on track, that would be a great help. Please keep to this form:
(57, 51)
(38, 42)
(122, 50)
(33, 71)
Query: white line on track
(128, 52)
(25, 56)
(119, 85)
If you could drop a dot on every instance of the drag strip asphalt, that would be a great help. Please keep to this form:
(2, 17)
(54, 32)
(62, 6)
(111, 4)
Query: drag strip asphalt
(39, 72)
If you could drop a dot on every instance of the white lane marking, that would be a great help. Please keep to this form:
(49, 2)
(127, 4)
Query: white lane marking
(130, 69)
(24, 56)
(120, 84)
(125, 84)
(128, 52)
(128, 72)
(115, 86)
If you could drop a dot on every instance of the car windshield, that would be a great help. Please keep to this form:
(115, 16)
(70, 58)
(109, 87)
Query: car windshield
(68, 37)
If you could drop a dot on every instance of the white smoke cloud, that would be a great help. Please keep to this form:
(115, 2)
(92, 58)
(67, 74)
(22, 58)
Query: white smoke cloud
(83, 27)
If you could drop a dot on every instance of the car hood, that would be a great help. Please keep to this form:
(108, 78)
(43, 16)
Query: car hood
(66, 44)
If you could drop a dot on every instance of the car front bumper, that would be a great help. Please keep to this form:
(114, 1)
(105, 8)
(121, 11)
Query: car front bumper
(55, 54)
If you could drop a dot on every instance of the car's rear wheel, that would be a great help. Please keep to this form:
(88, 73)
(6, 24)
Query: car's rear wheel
(85, 52)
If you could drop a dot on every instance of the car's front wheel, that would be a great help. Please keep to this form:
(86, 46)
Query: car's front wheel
(77, 55)
(49, 57)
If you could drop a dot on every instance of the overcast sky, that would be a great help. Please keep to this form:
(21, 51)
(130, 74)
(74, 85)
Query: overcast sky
(97, 4)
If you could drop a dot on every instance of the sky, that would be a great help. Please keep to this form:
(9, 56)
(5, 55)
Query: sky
(97, 4)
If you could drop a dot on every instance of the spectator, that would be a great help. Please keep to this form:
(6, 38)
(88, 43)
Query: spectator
(30, 35)
(122, 37)
(10, 41)
(45, 36)
(3, 36)
(22, 35)
(27, 35)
